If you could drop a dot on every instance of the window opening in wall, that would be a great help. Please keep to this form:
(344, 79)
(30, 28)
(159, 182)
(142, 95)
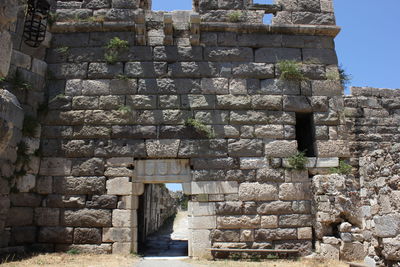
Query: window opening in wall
(162, 5)
(163, 228)
(268, 18)
(305, 135)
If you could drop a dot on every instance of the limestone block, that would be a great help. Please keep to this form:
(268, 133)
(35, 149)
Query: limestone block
(214, 187)
(304, 233)
(199, 101)
(165, 148)
(246, 235)
(295, 191)
(249, 163)
(26, 183)
(123, 248)
(333, 148)
(169, 101)
(119, 162)
(6, 45)
(323, 55)
(391, 248)
(328, 251)
(296, 104)
(352, 251)
(233, 102)
(86, 218)
(118, 171)
(124, 218)
(162, 171)
(47, 217)
(118, 234)
(119, 186)
(326, 88)
(21, 60)
(87, 236)
(275, 207)
(93, 166)
(128, 202)
(295, 220)
(262, 235)
(55, 166)
(387, 225)
(68, 70)
(269, 221)
(200, 242)
(69, 201)
(237, 222)
(253, 70)
(245, 147)
(215, 86)
(63, 235)
(225, 235)
(270, 175)
(19, 216)
(281, 149)
(202, 222)
(201, 208)
(322, 162)
(102, 202)
(258, 192)
(238, 87)
(137, 189)
(145, 69)
(187, 188)
(80, 185)
(269, 131)
(274, 55)
(39, 67)
(296, 176)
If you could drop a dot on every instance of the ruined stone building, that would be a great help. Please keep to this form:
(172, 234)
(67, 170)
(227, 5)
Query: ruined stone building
(118, 96)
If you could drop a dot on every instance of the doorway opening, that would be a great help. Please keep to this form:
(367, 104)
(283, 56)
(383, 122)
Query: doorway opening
(163, 229)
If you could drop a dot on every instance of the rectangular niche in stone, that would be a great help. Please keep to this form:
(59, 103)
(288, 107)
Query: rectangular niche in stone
(162, 171)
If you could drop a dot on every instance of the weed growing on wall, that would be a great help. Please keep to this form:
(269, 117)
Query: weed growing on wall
(52, 18)
(291, 70)
(339, 75)
(235, 16)
(200, 127)
(114, 47)
(63, 50)
(124, 109)
(343, 168)
(298, 161)
(19, 83)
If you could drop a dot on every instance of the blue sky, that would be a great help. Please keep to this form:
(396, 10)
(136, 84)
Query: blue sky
(367, 47)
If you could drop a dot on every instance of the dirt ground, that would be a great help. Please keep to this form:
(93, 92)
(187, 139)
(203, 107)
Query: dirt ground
(270, 263)
(67, 260)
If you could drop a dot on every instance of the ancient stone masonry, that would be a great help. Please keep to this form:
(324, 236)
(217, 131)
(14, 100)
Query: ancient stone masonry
(202, 98)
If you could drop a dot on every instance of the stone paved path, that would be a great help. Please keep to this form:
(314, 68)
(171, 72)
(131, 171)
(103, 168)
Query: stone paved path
(170, 240)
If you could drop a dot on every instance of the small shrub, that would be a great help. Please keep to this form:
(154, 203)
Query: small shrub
(291, 70)
(30, 126)
(339, 75)
(343, 168)
(73, 251)
(96, 19)
(298, 161)
(117, 44)
(235, 16)
(200, 127)
(124, 109)
(63, 50)
(2, 79)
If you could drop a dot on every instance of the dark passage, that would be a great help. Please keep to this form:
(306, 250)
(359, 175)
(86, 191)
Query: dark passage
(305, 133)
(162, 231)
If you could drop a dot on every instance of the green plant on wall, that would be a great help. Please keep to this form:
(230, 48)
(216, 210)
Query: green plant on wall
(64, 50)
(290, 70)
(113, 49)
(343, 168)
(200, 127)
(235, 16)
(124, 109)
(339, 75)
(298, 161)
(19, 83)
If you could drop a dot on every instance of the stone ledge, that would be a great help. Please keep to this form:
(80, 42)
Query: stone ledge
(84, 26)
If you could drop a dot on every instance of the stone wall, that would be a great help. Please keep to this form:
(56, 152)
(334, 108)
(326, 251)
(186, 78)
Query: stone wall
(22, 70)
(178, 73)
(373, 119)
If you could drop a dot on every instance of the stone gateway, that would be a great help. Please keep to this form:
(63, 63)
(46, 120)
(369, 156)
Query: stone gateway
(250, 118)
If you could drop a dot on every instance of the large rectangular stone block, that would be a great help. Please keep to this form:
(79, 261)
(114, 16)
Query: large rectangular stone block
(118, 234)
(201, 208)
(273, 55)
(238, 222)
(214, 188)
(86, 218)
(80, 185)
(295, 191)
(56, 235)
(281, 149)
(124, 218)
(119, 186)
(202, 222)
(258, 192)
(229, 54)
(55, 166)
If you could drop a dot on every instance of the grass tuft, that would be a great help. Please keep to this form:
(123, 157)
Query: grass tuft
(235, 16)
(200, 127)
(291, 70)
(343, 168)
(298, 161)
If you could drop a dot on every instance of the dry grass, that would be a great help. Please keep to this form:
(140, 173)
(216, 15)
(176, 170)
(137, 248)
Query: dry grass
(81, 260)
(271, 263)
